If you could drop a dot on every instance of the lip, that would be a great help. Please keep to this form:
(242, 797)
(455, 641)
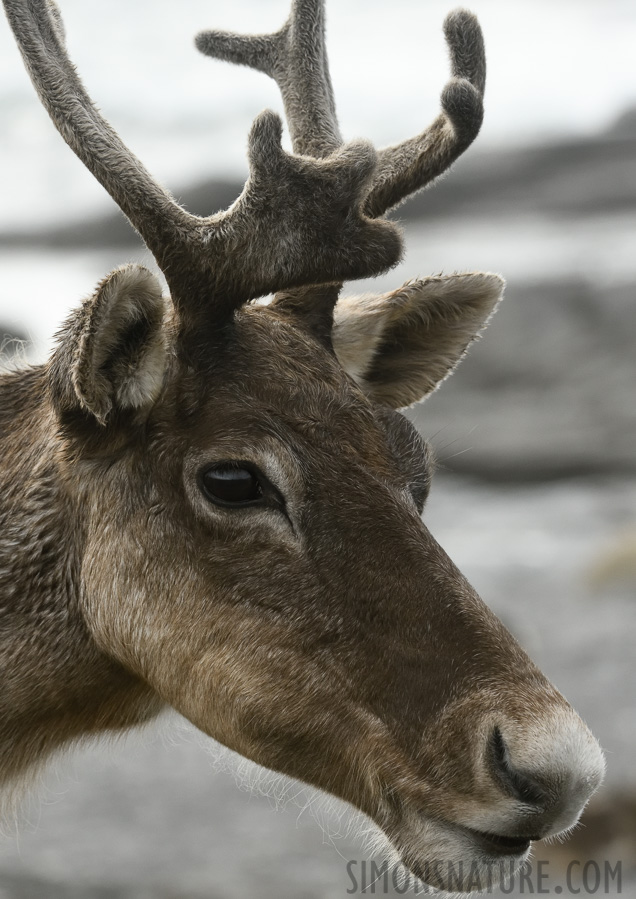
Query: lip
(497, 844)
(448, 846)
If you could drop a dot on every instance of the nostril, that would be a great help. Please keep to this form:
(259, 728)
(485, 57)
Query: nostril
(515, 782)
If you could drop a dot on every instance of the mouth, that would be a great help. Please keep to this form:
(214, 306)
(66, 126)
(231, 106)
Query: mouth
(496, 844)
(447, 855)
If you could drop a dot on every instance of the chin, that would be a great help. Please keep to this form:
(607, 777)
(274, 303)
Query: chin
(456, 859)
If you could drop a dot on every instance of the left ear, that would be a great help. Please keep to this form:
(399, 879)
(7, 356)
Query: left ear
(111, 353)
(400, 346)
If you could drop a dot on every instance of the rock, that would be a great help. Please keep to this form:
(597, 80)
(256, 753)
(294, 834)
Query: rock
(573, 177)
(114, 230)
(535, 401)
(624, 126)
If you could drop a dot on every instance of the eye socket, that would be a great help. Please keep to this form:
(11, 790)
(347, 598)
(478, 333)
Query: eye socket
(231, 484)
(420, 490)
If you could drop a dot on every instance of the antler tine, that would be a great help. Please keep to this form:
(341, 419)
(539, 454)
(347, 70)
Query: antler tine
(39, 30)
(407, 167)
(298, 221)
(295, 57)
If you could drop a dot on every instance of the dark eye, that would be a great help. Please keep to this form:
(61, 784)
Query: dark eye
(420, 488)
(231, 485)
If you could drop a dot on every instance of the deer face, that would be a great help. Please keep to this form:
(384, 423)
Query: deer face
(248, 500)
(275, 583)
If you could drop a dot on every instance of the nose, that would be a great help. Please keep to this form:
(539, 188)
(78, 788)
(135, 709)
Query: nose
(518, 784)
(551, 771)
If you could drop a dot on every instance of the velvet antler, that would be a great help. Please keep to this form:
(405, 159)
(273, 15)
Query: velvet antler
(298, 221)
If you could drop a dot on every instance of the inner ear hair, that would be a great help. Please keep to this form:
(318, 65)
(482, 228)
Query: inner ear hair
(112, 351)
(400, 346)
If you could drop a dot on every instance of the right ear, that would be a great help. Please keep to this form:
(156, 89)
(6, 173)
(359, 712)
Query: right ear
(400, 346)
(111, 352)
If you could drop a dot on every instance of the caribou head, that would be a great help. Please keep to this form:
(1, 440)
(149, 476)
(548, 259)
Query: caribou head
(212, 503)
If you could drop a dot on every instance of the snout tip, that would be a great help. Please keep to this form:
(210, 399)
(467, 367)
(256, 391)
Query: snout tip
(550, 771)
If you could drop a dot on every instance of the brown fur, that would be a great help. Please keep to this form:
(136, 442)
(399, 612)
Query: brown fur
(319, 629)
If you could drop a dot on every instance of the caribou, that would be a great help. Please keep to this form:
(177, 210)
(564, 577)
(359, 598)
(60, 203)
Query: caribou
(213, 503)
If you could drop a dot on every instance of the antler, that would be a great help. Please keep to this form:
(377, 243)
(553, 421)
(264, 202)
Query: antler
(298, 221)
(296, 58)
(407, 167)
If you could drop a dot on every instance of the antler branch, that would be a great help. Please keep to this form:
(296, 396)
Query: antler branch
(296, 58)
(298, 220)
(408, 167)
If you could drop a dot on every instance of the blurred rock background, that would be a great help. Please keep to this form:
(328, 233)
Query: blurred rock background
(535, 433)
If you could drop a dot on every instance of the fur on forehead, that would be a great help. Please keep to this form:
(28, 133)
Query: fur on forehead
(397, 347)
(267, 365)
(268, 373)
(265, 351)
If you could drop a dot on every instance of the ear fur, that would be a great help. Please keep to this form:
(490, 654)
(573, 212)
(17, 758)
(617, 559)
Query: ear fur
(112, 351)
(400, 346)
